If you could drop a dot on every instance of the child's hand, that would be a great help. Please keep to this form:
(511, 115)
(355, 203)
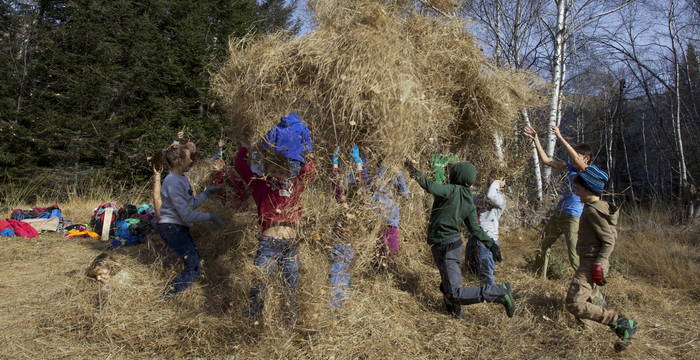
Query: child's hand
(555, 129)
(355, 153)
(408, 165)
(496, 252)
(216, 220)
(221, 143)
(598, 275)
(530, 132)
(218, 164)
(336, 156)
(180, 135)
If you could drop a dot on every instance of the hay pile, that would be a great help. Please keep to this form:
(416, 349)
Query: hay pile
(378, 74)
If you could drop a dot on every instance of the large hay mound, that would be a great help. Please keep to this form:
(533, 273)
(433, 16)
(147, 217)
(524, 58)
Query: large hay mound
(378, 74)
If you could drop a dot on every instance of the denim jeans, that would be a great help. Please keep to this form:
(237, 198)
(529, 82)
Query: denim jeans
(340, 274)
(180, 241)
(480, 261)
(272, 254)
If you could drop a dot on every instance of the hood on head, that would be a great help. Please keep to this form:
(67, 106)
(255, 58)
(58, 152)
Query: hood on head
(462, 173)
(290, 119)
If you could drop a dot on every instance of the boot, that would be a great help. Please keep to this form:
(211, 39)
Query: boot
(507, 300)
(624, 328)
(453, 309)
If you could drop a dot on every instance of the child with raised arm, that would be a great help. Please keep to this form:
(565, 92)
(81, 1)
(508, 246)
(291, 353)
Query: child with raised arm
(454, 206)
(596, 241)
(490, 207)
(177, 214)
(278, 198)
(566, 215)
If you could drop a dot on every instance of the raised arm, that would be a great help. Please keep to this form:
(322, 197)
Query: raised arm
(553, 163)
(241, 164)
(400, 182)
(430, 186)
(576, 159)
(495, 196)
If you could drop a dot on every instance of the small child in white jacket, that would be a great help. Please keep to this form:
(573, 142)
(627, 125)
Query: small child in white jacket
(490, 208)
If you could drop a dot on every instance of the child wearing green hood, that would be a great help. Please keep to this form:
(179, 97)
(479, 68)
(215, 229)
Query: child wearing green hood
(454, 205)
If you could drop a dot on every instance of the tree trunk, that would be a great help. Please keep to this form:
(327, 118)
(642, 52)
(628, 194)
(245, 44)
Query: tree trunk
(557, 74)
(536, 162)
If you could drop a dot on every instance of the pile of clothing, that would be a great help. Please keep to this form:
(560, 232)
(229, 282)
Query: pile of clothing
(29, 223)
(130, 224)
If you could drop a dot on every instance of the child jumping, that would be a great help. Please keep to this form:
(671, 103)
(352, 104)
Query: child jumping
(596, 241)
(566, 217)
(278, 199)
(177, 214)
(490, 207)
(453, 206)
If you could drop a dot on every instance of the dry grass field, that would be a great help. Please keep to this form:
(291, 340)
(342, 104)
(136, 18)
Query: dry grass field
(49, 309)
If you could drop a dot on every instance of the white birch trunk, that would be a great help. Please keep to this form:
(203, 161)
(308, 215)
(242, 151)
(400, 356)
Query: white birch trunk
(557, 74)
(498, 144)
(536, 162)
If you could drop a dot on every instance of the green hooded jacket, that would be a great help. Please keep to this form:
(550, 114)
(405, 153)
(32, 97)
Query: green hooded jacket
(453, 205)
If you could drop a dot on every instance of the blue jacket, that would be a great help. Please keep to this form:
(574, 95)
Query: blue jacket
(290, 137)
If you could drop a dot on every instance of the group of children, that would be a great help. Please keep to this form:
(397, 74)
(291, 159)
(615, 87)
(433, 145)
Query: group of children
(277, 172)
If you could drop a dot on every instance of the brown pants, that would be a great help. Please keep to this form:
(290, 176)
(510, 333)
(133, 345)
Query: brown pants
(582, 291)
(559, 223)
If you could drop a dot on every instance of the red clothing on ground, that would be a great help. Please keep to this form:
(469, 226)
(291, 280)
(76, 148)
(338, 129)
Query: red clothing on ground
(278, 201)
(20, 228)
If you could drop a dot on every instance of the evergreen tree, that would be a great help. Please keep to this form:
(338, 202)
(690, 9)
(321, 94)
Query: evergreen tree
(108, 82)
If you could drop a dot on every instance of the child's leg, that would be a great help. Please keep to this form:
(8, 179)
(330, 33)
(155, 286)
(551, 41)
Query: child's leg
(549, 236)
(488, 266)
(290, 268)
(446, 280)
(266, 260)
(471, 256)
(570, 224)
(340, 274)
(391, 240)
(179, 240)
(447, 256)
(581, 291)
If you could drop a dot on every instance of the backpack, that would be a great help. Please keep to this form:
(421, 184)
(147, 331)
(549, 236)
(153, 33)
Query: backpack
(98, 217)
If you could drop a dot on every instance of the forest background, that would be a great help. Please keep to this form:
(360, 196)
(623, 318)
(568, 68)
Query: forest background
(91, 87)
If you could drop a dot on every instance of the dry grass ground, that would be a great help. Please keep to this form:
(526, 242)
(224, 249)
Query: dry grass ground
(49, 309)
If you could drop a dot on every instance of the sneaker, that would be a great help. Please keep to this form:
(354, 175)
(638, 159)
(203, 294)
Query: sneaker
(453, 309)
(507, 300)
(624, 328)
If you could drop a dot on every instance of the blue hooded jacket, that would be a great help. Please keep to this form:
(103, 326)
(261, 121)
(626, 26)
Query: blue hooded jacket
(290, 137)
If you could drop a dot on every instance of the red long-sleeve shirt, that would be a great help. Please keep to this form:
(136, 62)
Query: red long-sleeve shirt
(278, 200)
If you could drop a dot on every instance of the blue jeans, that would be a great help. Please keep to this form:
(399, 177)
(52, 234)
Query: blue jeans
(180, 241)
(340, 274)
(272, 254)
(480, 260)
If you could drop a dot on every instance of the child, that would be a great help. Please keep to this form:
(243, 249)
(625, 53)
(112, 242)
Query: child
(342, 254)
(384, 187)
(292, 138)
(490, 208)
(177, 214)
(453, 206)
(566, 217)
(597, 235)
(278, 198)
